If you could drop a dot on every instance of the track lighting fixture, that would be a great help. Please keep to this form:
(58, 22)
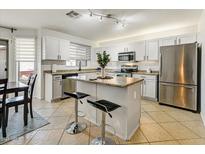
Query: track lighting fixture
(107, 16)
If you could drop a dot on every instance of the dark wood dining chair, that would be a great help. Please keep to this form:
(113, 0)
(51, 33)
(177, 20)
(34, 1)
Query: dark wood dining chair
(3, 87)
(19, 100)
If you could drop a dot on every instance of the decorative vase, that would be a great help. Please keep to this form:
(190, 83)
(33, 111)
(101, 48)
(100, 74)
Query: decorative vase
(103, 72)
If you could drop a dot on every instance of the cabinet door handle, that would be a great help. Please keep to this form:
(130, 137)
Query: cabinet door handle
(175, 41)
(160, 73)
(147, 57)
(144, 57)
(179, 41)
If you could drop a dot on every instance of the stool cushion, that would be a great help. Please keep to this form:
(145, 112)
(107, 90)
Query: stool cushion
(76, 95)
(101, 104)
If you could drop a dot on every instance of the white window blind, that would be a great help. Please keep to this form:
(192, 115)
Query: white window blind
(79, 52)
(25, 49)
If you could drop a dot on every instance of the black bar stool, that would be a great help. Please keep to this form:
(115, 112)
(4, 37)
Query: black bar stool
(105, 107)
(76, 127)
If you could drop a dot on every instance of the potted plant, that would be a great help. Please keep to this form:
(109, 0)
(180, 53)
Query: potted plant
(103, 59)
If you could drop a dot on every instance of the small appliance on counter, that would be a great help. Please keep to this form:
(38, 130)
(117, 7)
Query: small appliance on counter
(149, 70)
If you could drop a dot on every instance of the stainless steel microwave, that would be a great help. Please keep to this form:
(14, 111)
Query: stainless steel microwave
(126, 56)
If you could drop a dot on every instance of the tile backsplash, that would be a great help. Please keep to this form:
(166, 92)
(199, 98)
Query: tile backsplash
(143, 65)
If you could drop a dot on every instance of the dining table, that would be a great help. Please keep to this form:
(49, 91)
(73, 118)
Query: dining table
(16, 87)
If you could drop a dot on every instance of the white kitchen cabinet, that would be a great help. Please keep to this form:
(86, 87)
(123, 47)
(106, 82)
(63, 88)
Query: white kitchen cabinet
(149, 86)
(188, 38)
(168, 41)
(180, 39)
(55, 48)
(64, 48)
(50, 48)
(94, 52)
(114, 50)
(53, 87)
(152, 49)
(140, 50)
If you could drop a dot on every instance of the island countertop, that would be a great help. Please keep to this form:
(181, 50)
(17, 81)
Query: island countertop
(115, 81)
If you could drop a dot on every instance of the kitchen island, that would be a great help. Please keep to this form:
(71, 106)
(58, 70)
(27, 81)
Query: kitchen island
(124, 91)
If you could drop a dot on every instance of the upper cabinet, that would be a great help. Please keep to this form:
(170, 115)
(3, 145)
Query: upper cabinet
(168, 41)
(152, 49)
(189, 38)
(149, 49)
(139, 50)
(63, 49)
(180, 39)
(50, 47)
(94, 52)
(114, 50)
(54, 48)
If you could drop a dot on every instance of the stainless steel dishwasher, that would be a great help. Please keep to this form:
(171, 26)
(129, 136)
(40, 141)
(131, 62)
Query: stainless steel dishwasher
(57, 86)
(68, 85)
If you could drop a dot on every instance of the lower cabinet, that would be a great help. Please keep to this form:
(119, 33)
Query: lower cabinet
(149, 86)
(53, 87)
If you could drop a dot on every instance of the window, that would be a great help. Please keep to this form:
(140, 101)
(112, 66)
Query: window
(78, 53)
(25, 58)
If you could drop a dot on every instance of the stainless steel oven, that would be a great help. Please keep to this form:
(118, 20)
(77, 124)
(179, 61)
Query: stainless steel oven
(126, 56)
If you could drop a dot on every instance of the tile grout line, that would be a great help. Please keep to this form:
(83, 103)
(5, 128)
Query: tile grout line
(161, 127)
(65, 128)
(171, 122)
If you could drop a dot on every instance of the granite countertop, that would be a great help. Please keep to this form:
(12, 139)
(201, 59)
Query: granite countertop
(146, 73)
(62, 72)
(115, 81)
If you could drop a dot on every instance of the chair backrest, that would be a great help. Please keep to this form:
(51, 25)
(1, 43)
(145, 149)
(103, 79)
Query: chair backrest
(31, 83)
(3, 88)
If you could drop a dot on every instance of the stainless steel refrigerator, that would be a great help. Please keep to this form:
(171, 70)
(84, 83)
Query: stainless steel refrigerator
(179, 76)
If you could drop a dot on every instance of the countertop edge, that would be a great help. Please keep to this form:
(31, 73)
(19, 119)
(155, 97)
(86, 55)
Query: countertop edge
(114, 85)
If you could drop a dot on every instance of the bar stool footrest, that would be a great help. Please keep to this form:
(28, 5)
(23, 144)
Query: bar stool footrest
(75, 128)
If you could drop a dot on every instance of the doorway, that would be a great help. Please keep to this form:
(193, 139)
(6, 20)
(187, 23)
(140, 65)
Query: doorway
(3, 59)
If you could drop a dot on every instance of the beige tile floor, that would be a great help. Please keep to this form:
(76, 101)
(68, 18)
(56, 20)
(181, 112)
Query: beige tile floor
(160, 125)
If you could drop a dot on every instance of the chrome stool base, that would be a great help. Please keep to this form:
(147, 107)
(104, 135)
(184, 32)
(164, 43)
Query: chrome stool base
(101, 141)
(75, 128)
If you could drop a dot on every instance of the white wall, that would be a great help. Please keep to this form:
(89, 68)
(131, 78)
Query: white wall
(161, 34)
(201, 28)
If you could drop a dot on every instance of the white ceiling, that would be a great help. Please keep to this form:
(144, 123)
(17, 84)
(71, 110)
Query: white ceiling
(138, 21)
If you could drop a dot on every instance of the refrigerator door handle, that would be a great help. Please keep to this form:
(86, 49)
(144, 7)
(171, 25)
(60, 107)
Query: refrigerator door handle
(160, 65)
(174, 85)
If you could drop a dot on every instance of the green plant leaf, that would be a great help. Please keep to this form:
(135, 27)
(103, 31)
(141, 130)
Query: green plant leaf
(103, 59)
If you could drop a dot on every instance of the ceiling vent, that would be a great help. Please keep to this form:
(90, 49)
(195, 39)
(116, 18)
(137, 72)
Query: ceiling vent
(73, 14)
